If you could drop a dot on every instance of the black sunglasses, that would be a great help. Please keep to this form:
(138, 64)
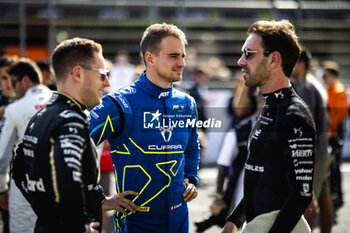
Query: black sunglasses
(103, 72)
(247, 53)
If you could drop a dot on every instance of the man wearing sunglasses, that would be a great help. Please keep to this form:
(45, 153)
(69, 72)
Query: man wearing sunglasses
(279, 167)
(56, 165)
(32, 95)
(152, 149)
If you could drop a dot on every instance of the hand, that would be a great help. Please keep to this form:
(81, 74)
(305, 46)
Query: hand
(312, 210)
(229, 227)
(4, 201)
(119, 202)
(93, 226)
(217, 206)
(190, 191)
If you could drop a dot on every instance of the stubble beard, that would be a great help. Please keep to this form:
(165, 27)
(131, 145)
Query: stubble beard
(259, 77)
(171, 78)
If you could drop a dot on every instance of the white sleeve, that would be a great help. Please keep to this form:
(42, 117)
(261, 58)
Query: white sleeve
(229, 149)
(7, 140)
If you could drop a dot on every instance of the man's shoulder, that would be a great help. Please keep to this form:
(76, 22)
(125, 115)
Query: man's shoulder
(298, 112)
(19, 106)
(117, 98)
(296, 105)
(122, 93)
(62, 111)
(339, 89)
(42, 94)
(312, 80)
(130, 89)
(69, 114)
(314, 94)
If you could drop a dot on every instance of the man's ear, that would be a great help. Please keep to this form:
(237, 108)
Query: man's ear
(76, 73)
(149, 58)
(275, 59)
(26, 80)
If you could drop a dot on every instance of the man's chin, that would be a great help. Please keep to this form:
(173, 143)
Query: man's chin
(94, 103)
(247, 83)
(177, 78)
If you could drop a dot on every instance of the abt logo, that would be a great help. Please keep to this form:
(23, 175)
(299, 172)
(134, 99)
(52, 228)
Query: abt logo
(164, 94)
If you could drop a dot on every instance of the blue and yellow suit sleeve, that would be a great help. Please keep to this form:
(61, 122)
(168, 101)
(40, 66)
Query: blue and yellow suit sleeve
(104, 120)
(192, 151)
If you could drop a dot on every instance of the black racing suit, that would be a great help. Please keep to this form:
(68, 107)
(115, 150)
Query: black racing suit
(279, 167)
(56, 168)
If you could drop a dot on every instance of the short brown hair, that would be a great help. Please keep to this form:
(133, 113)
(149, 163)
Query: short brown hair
(72, 52)
(279, 36)
(332, 67)
(154, 34)
(25, 66)
(305, 56)
(6, 61)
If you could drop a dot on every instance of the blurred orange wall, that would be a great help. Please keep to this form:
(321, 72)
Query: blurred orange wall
(34, 53)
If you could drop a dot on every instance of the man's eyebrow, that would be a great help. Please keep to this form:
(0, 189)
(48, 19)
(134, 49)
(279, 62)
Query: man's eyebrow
(176, 54)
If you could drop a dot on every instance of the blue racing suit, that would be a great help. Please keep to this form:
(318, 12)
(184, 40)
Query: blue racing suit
(154, 145)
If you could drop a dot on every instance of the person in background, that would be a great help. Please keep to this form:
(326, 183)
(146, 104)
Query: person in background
(279, 166)
(241, 105)
(56, 163)
(106, 178)
(32, 95)
(199, 91)
(151, 153)
(303, 83)
(122, 72)
(47, 73)
(7, 95)
(338, 111)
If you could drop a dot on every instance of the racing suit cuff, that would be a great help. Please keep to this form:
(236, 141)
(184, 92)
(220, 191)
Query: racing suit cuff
(4, 180)
(87, 228)
(192, 180)
(101, 194)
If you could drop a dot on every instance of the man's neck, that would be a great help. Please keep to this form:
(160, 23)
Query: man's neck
(70, 90)
(275, 83)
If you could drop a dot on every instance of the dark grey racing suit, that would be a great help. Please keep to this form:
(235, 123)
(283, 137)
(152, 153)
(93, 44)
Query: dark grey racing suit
(280, 162)
(56, 168)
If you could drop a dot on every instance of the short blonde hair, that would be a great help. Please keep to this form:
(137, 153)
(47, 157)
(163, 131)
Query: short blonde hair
(154, 34)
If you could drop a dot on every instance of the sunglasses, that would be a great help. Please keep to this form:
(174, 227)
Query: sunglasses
(103, 72)
(247, 53)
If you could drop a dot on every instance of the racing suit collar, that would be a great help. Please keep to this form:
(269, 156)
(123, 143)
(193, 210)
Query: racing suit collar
(154, 90)
(279, 95)
(70, 100)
